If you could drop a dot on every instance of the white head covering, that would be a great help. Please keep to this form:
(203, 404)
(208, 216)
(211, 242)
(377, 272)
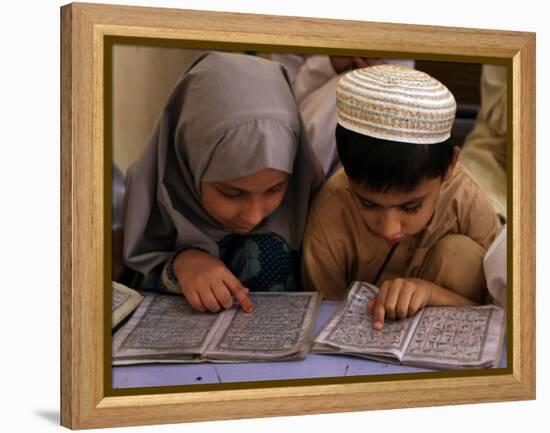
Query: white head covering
(229, 116)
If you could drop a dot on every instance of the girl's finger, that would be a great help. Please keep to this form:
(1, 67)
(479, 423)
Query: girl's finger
(209, 300)
(223, 295)
(194, 299)
(239, 291)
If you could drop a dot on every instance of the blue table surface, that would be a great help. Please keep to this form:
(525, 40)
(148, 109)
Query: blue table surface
(313, 366)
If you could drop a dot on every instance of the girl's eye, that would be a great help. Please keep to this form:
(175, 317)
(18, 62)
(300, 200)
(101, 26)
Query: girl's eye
(276, 189)
(231, 193)
(412, 209)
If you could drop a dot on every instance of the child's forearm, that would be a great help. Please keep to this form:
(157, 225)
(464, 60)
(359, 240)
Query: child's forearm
(442, 296)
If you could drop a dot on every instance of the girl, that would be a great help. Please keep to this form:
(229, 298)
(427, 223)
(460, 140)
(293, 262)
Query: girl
(217, 203)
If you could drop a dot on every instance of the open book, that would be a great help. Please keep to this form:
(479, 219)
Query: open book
(166, 329)
(435, 337)
(124, 301)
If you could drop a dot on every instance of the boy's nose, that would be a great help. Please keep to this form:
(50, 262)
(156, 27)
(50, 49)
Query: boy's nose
(390, 225)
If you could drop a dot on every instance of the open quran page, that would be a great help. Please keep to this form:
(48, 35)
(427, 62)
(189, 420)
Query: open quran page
(164, 329)
(350, 330)
(124, 301)
(279, 328)
(436, 337)
(457, 337)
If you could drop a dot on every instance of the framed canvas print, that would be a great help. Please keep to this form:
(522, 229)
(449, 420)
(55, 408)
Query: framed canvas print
(252, 103)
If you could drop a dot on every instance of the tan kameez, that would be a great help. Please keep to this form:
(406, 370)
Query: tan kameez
(339, 247)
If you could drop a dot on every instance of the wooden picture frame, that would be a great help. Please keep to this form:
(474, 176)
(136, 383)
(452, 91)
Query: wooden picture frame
(86, 398)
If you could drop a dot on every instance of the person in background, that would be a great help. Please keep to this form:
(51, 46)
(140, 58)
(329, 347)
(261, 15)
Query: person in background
(484, 150)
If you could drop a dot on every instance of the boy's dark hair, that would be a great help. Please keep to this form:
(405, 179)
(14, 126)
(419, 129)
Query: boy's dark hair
(384, 165)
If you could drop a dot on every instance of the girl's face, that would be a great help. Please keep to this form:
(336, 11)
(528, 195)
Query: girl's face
(241, 204)
(394, 215)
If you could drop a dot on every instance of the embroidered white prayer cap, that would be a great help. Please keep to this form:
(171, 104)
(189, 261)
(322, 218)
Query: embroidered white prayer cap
(397, 103)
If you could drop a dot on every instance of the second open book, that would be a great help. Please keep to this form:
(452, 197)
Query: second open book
(435, 337)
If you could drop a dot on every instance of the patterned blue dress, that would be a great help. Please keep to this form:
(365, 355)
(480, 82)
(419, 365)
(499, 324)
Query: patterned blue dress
(262, 262)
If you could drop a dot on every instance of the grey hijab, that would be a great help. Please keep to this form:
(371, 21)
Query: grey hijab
(229, 116)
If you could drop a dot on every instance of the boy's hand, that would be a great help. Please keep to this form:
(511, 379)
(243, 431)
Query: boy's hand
(207, 283)
(399, 298)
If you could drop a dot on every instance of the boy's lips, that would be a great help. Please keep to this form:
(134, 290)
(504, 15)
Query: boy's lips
(393, 240)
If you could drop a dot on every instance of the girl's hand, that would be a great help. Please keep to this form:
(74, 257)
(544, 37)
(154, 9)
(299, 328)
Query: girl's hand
(207, 283)
(400, 298)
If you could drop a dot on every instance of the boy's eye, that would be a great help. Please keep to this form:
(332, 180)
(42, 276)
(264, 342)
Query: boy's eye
(411, 209)
(366, 204)
(407, 209)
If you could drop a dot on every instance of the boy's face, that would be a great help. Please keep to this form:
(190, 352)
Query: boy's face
(394, 215)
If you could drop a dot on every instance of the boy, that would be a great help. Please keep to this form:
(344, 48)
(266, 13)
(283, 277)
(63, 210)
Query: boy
(402, 213)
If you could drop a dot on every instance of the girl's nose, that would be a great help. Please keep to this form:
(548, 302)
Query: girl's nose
(253, 214)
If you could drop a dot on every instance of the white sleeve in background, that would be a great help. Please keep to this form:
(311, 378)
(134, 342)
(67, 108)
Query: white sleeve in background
(495, 268)
(403, 62)
(292, 63)
(315, 72)
(319, 113)
(118, 198)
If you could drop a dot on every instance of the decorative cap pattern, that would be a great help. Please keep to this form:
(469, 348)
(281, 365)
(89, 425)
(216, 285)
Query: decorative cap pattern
(393, 102)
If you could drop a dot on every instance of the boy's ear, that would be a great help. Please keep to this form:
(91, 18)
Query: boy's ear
(452, 165)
